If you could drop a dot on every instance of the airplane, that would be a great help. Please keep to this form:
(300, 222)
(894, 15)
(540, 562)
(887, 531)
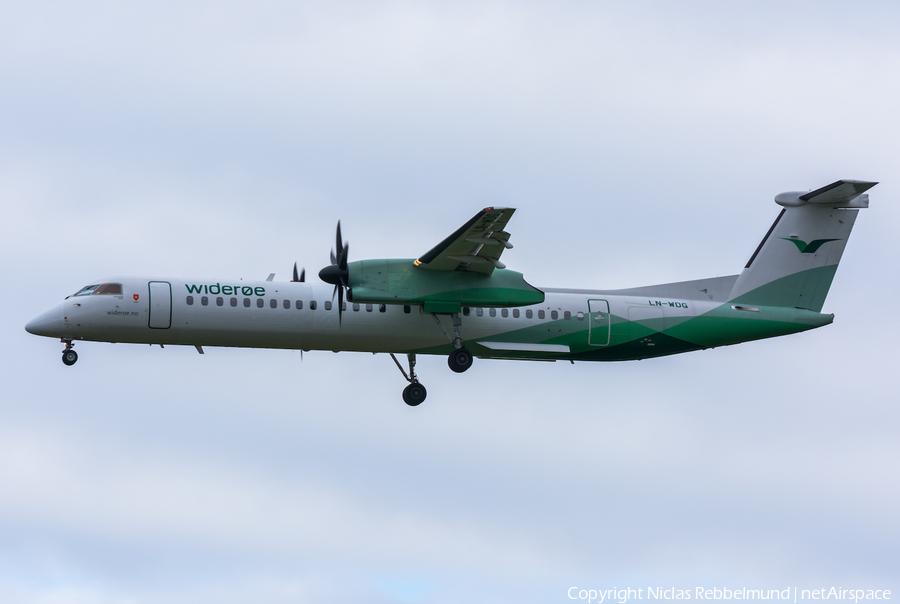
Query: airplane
(460, 300)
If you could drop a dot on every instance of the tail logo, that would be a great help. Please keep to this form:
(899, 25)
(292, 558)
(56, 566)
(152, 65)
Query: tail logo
(808, 248)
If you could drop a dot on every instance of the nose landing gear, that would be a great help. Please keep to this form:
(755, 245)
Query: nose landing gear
(69, 356)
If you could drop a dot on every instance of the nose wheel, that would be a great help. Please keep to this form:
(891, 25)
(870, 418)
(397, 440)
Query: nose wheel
(69, 356)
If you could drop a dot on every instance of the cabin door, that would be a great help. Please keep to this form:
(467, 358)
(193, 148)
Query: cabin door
(598, 323)
(160, 305)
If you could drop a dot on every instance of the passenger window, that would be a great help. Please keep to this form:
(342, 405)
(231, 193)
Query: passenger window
(190, 300)
(344, 306)
(299, 304)
(540, 314)
(466, 311)
(567, 316)
(234, 301)
(356, 307)
(247, 302)
(579, 315)
(312, 304)
(287, 304)
(504, 313)
(479, 312)
(204, 300)
(273, 303)
(529, 313)
(260, 303)
(382, 308)
(515, 313)
(220, 301)
(327, 305)
(407, 309)
(368, 308)
(554, 315)
(493, 312)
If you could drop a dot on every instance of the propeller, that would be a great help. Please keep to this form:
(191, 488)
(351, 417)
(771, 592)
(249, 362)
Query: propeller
(336, 273)
(302, 276)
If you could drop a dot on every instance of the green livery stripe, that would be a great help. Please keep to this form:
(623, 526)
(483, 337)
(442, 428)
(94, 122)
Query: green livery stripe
(806, 289)
(652, 337)
(724, 326)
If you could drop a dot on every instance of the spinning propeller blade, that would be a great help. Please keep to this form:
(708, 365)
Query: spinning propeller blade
(337, 273)
(302, 276)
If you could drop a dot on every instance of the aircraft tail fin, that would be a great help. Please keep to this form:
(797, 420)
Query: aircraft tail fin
(795, 262)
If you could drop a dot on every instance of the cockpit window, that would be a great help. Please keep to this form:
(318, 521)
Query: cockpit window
(103, 288)
(110, 288)
(87, 290)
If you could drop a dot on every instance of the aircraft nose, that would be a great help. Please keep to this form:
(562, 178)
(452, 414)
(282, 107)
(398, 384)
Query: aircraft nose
(47, 324)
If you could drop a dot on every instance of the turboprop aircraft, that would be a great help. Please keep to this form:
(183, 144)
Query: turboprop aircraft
(460, 300)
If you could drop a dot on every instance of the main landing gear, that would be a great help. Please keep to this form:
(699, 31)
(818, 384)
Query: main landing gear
(415, 393)
(69, 356)
(460, 359)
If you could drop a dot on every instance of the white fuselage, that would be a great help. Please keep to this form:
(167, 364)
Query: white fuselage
(266, 314)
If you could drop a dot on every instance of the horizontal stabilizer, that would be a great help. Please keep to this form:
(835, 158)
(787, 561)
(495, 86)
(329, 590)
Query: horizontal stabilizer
(840, 194)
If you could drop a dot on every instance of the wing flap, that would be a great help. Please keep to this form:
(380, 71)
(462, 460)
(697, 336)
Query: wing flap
(474, 247)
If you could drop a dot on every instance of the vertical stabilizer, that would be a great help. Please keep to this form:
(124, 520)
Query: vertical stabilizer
(796, 261)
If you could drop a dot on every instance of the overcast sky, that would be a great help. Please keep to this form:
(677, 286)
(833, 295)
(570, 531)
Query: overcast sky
(641, 142)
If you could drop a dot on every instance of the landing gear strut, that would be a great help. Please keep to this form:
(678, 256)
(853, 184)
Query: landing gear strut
(415, 393)
(69, 356)
(460, 359)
